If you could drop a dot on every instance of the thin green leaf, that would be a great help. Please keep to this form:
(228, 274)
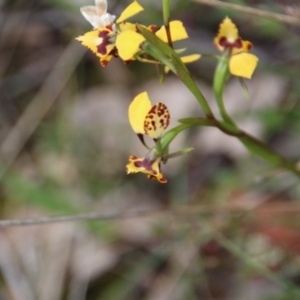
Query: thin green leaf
(169, 136)
(220, 79)
(179, 153)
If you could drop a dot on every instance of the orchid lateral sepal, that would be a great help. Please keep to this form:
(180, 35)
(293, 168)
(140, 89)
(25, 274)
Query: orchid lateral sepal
(141, 138)
(244, 88)
(177, 153)
(155, 52)
(161, 73)
(169, 136)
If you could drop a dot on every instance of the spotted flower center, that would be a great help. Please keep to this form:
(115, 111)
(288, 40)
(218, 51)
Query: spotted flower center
(146, 164)
(102, 47)
(227, 43)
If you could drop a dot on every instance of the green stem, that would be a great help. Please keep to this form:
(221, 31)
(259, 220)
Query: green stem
(185, 76)
(260, 149)
(166, 16)
(220, 78)
(251, 143)
(166, 11)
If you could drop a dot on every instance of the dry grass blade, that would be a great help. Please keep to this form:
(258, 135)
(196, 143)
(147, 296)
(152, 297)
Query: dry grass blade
(252, 11)
(275, 208)
(40, 105)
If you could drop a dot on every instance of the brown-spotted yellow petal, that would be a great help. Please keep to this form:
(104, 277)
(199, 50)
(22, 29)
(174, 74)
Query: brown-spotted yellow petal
(157, 120)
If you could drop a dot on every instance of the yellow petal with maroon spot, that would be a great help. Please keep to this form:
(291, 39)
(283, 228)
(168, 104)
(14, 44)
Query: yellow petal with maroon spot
(91, 39)
(243, 64)
(158, 175)
(138, 109)
(177, 30)
(131, 10)
(157, 120)
(97, 41)
(151, 168)
(246, 46)
(105, 60)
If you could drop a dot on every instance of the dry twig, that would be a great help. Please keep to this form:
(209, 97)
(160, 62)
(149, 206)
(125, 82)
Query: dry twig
(275, 208)
(252, 11)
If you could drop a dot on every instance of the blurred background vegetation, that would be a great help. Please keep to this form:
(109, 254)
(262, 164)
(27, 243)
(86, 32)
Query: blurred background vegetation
(229, 225)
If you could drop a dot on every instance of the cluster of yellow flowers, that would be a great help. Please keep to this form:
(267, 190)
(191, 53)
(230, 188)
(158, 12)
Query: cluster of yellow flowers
(121, 39)
(113, 37)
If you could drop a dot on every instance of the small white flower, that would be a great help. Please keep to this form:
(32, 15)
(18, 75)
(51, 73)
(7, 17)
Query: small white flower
(97, 15)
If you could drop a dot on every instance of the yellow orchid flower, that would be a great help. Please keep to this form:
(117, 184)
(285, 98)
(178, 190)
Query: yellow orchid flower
(152, 121)
(128, 42)
(121, 38)
(241, 63)
(147, 119)
(101, 41)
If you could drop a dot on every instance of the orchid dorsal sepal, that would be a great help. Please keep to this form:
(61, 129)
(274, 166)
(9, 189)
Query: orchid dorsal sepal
(131, 10)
